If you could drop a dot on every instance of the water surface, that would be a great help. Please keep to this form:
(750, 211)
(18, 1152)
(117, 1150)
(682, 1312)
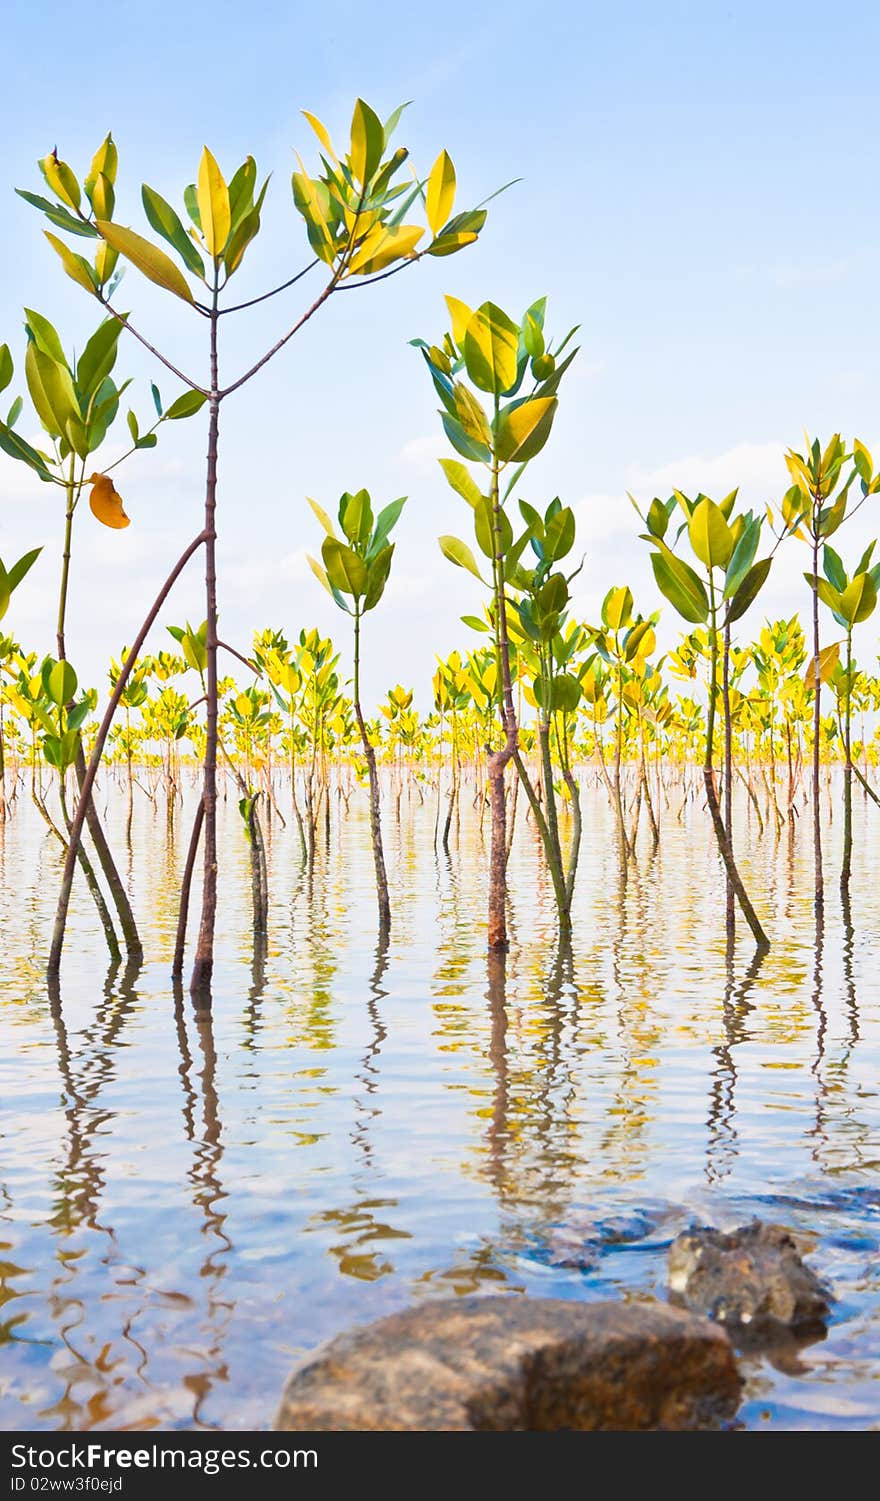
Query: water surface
(188, 1203)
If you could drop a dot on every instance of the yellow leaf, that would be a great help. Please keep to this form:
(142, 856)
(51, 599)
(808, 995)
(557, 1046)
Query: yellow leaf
(384, 245)
(106, 502)
(75, 266)
(321, 132)
(213, 200)
(829, 657)
(149, 259)
(461, 316)
(441, 192)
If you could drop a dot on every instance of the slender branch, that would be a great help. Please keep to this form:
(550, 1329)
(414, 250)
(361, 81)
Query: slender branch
(97, 751)
(121, 318)
(251, 666)
(368, 281)
(276, 348)
(238, 306)
(867, 786)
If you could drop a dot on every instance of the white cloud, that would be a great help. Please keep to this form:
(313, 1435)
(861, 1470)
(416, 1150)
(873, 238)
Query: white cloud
(758, 469)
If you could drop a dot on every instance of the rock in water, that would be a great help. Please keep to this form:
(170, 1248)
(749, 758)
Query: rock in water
(752, 1280)
(510, 1363)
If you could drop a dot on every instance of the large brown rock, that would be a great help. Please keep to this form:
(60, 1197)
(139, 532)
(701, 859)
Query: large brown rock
(510, 1363)
(752, 1280)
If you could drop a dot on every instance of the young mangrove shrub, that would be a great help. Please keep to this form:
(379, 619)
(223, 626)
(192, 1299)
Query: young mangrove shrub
(355, 212)
(725, 545)
(77, 404)
(624, 641)
(851, 600)
(813, 509)
(357, 569)
(487, 354)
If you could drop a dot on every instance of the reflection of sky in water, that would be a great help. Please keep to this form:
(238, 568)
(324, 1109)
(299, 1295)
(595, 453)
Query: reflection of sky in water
(186, 1205)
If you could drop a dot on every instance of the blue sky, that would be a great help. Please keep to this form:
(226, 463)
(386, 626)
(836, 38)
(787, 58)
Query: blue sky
(698, 193)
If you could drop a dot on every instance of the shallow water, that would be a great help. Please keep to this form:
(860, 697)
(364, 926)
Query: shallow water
(189, 1204)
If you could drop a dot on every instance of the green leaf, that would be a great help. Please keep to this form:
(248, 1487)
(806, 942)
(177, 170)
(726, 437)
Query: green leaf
(186, 405)
(163, 219)
(532, 336)
(191, 202)
(243, 232)
(461, 481)
(17, 448)
(356, 518)
(491, 345)
(448, 244)
(7, 369)
(657, 518)
(77, 716)
(45, 336)
(468, 447)
(559, 534)
(858, 599)
(386, 521)
(345, 570)
(98, 358)
(710, 536)
(832, 516)
(18, 570)
(483, 528)
(51, 391)
(565, 694)
(241, 190)
(61, 683)
(148, 258)
(377, 576)
(522, 430)
(367, 142)
(459, 553)
(678, 582)
(312, 202)
(59, 216)
(752, 583)
(826, 592)
(834, 569)
(742, 557)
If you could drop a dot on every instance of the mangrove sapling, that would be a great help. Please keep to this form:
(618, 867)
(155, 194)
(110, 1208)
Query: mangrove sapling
(272, 652)
(851, 601)
(547, 645)
(357, 569)
(726, 546)
(354, 213)
(623, 642)
(494, 353)
(134, 697)
(77, 404)
(813, 509)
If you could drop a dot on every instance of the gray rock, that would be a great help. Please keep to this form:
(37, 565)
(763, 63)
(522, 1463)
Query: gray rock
(515, 1363)
(751, 1280)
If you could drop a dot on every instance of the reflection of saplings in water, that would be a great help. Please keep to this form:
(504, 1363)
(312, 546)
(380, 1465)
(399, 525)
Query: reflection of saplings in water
(359, 1227)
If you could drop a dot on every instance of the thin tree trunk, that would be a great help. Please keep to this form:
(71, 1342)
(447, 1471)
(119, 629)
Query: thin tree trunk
(203, 966)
